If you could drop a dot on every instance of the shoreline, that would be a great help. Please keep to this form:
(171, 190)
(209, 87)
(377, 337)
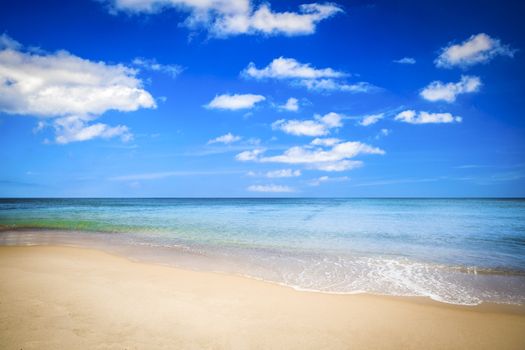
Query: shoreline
(86, 298)
(424, 300)
(210, 259)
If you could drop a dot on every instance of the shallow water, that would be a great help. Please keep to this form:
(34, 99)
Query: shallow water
(462, 251)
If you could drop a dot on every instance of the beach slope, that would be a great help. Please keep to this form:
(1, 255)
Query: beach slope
(72, 298)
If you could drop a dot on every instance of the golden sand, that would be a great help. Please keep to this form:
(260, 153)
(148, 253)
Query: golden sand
(72, 298)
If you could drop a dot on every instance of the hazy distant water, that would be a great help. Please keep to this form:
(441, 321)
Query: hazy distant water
(454, 250)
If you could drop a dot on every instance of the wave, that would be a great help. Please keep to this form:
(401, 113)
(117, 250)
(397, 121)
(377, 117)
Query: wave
(303, 270)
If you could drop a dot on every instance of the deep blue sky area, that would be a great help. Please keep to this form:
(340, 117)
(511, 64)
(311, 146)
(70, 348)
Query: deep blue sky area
(186, 98)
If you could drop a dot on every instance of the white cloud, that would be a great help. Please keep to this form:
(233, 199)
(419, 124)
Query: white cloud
(283, 173)
(39, 127)
(61, 84)
(270, 188)
(411, 117)
(290, 68)
(406, 60)
(292, 105)
(479, 48)
(333, 85)
(325, 141)
(272, 174)
(222, 18)
(64, 86)
(333, 159)
(249, 155)
(341, 165)
(226, 139)
(320, 126)
(383, 133)
(6, 42)
(437, 90)
(301, 127)
(336, 158)
(324, 179)
(235, 102)
(332, 120)
(172, 70)
(72, 129)
(340, 151)
(304, 74)
(371, 119)
(265, 21)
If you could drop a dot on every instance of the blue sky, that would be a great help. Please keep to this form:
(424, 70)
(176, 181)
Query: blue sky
(246, 98)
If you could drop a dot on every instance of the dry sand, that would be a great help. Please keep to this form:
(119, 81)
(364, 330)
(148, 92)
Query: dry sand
(72, 298)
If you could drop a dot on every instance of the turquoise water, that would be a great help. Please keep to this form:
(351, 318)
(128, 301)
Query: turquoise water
(463, 251)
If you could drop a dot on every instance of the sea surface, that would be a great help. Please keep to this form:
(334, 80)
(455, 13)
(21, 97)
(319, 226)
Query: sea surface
(461, 251)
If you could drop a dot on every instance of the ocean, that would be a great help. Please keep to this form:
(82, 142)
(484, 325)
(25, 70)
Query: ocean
(460, 251)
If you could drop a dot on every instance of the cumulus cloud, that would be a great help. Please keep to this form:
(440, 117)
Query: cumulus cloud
(479, 48)
(371, 119)
(340, 151)
(283, 173)
(290, 68)
(223, 18)
(6, 42)
(405, 60)
(292, 105)
(304, 74)
(337, 158)
(172, 70)
(325, 141)
(235, 102)
(72, 129)
(270, 188)
(439, 91)
(62, 84)
(320, 126)
(249, 155)
(70, 90)
(341, 165)
(411, 117)
(226, 139)
(332, 120)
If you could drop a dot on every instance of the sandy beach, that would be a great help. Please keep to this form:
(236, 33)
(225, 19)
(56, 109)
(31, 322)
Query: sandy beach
(73, 298)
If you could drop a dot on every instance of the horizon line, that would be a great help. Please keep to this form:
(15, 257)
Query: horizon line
(280, 197)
